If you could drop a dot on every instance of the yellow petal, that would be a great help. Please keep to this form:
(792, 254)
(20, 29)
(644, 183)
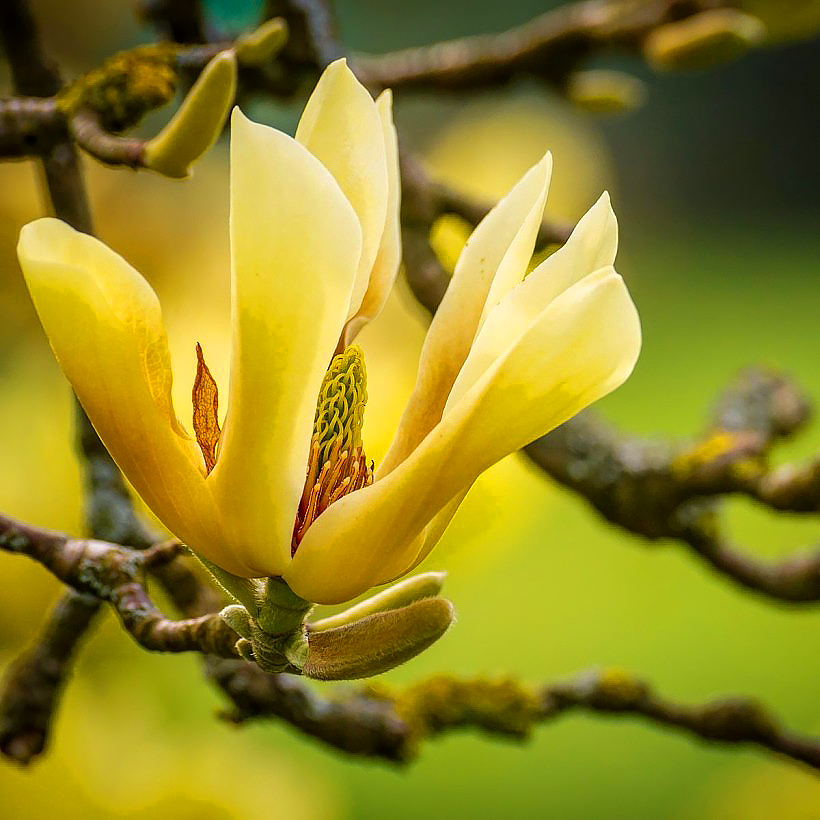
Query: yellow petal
(431, 536)
(592, 246)
(342, 128)
(386, 266)
(105, 326)
(295, 243)
(583, 345)
(500, 246)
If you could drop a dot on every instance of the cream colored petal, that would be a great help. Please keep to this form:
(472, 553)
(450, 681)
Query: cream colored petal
(388, 258)
(105, 326)
(343, 129)
(295, 243)
(592, 246)
(500, 247)
(582, 346)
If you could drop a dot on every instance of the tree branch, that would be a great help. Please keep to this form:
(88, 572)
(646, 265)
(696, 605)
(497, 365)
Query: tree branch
(549, 47)
(32, 686)
(379, 723)
(115, 574)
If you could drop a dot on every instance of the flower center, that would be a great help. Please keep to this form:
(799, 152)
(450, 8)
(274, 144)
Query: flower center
(337, 464)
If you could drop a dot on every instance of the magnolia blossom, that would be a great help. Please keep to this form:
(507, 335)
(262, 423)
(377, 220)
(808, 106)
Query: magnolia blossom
(315, 249)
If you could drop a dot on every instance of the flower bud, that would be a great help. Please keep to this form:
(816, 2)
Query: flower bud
(377, 642)
(260, 46)
(426, 585)
(703, 40)
(785, 19)
(198, 121)
(605, 92)
(237, 618)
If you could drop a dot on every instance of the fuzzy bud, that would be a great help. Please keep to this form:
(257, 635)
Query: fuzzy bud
(378, 642)
(425, 585)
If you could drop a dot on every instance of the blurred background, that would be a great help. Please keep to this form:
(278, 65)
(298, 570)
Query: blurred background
(715, 184)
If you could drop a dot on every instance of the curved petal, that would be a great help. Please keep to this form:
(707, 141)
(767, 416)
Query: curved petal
(295, 243)
(388, 258)
(431, 536)
(105, 325)
(343, 129)
(583, 345)
(499, 248)
(592, 246)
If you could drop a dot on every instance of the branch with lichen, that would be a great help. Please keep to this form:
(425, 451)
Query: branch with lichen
(374, 722)
(116, 575)
(378, 722)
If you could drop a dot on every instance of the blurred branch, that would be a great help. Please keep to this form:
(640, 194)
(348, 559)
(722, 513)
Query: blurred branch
(314, 39)
(662, 490)
(549, 47)
(556, 44)
(424, 200)
(32, 685)
(33, 682)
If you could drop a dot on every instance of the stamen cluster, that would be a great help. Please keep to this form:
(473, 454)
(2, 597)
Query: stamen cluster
(337, 464)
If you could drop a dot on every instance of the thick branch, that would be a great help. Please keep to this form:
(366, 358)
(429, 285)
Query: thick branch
(378, 723)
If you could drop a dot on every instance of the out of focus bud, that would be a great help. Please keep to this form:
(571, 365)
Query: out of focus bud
(785, 19)
(198, 121)
(260, 46)
(605, 92)
(705, 39)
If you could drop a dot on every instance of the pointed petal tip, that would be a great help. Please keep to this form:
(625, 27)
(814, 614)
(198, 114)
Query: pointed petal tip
(239, 120)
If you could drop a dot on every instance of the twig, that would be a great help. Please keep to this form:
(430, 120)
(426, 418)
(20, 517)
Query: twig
(378, 723)
(549, 47)
(373, 722)
(115, 574)
(661, 490)
(424, 200)
(29, 126)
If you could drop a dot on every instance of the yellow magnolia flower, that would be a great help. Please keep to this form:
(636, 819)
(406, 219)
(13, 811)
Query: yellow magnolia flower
(315, 249)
